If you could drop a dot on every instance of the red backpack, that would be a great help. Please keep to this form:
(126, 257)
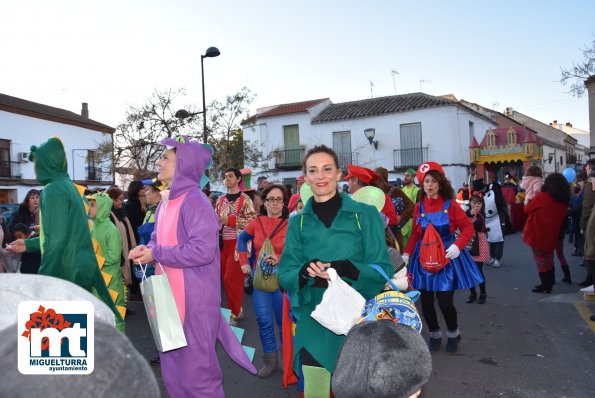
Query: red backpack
(432, 254)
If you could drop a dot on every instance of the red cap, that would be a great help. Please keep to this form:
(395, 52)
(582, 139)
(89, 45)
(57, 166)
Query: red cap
(361, 173)
(424, 168)
(301, 179)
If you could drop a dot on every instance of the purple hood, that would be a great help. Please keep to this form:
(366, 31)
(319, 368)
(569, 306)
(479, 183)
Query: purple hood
(192, 159)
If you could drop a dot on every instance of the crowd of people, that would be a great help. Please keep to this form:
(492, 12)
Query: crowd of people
(279, 244)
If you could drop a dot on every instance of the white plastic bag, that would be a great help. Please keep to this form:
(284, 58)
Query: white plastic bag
(341, 305)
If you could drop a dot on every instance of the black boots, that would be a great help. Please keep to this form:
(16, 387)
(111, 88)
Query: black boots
(270, 364)
(547, 282)
(566, 271)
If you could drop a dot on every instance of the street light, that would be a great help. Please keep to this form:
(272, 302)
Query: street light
(211, 52)
(183, 113)
(370, 133)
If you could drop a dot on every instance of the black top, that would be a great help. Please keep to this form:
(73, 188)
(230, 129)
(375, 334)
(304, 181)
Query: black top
(22, 216)
(479, 223)
(232, 196)
(135, 214)
(327, 211)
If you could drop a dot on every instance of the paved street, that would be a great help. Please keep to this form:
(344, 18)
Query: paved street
(519, 344)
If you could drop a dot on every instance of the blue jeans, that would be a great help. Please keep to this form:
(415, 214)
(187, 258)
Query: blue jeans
(265, 304)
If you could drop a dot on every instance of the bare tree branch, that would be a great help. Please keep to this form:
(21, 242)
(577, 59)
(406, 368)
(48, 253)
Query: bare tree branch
(580, 71)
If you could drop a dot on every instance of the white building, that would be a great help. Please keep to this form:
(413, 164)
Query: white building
(24, 123)
(404, 131)
(583, 137)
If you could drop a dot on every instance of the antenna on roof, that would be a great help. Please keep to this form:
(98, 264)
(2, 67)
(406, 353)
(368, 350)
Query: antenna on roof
(394, 72)
(371, 89)
(423, 81)
(495, 104)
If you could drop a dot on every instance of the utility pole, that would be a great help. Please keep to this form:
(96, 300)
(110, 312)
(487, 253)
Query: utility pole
(394, 72)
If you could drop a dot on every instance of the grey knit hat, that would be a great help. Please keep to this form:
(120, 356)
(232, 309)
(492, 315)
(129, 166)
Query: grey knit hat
(381, 359)
(15, 288)
(120, 370)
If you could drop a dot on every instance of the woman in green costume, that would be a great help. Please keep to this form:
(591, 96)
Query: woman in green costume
(332, 231)
(110, 247)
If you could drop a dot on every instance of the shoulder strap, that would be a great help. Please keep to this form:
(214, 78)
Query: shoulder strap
(446, 205)
(381, 272)
(262, 227)
(277, 228)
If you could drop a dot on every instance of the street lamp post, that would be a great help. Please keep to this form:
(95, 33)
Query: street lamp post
(211, 52)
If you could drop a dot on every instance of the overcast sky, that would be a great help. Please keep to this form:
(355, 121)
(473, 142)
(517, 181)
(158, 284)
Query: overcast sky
(115, 53)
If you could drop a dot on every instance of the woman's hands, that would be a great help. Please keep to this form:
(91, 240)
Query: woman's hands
(246, 269)
(452, 252)
(141, 254)
(318, 269)
(18, 246)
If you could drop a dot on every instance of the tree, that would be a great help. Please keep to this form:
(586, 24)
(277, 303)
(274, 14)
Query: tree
(580, 71)
(226, 136)
(136, 146)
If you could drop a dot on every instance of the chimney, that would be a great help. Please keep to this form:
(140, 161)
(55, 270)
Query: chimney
(568, 124)
(85, 110)
(508, 111)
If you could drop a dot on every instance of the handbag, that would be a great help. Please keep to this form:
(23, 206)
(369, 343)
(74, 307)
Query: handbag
(473, 245)
(162, 312)
(266, 275)
(340, 307)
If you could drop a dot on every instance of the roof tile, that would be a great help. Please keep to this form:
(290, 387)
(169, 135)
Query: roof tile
(380, 106)
(7, 101)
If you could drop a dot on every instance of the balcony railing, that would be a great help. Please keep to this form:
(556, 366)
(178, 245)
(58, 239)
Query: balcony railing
(93, 173)
(346, 158)
(10, 170)
(289, 159)
(411, 157)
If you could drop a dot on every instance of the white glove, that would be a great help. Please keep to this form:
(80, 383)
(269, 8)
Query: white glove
(453, 252)
(400, 279)
(405, 258)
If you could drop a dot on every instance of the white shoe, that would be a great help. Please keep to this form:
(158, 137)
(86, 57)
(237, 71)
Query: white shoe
(490, 261)
(588, 289)
(496, 264)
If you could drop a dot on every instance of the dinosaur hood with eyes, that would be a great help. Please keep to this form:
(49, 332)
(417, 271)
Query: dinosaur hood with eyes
(192, 159)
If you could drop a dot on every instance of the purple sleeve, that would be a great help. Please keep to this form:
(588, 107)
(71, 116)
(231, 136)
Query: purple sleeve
(197, 230)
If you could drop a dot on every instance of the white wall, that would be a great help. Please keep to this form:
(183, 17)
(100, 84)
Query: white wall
(24, 131)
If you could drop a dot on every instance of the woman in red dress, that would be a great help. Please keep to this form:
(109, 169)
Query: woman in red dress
(545, 214)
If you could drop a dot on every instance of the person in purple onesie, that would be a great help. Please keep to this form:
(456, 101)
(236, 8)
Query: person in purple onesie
(185, 241)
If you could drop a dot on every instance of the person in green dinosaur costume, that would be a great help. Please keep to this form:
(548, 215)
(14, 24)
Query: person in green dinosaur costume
(110, 248)
(65, 240)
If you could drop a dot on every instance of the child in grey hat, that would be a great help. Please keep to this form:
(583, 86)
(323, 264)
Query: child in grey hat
(382, 359)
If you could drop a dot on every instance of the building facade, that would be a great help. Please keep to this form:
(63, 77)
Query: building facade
(24, 123)
(394, 132)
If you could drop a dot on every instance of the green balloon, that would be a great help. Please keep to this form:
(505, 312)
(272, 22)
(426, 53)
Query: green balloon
(305, 192)
(370, 196)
